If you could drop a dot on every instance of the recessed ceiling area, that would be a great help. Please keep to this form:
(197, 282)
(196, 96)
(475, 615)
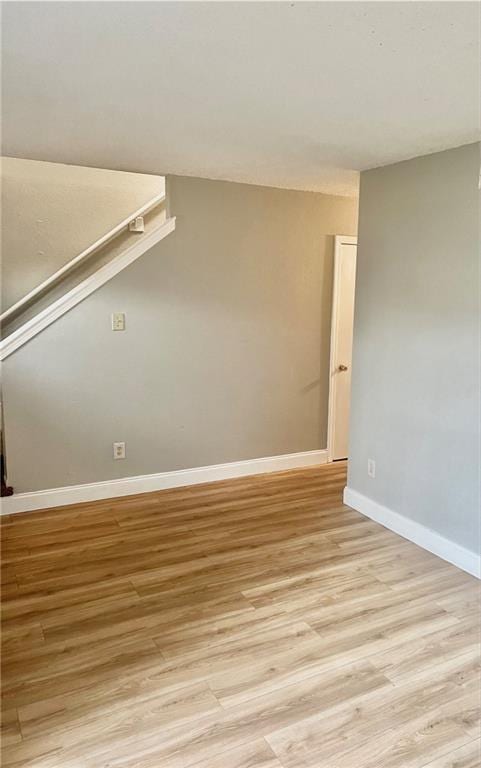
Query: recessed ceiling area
(287, 94)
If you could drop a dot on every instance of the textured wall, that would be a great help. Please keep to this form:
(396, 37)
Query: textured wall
(52, 212)
(225, 356)
(415, 392)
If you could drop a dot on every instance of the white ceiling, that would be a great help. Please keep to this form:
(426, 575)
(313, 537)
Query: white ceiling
(299, 95)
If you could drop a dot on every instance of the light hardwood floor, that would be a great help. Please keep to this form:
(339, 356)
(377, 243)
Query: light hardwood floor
(252, 623)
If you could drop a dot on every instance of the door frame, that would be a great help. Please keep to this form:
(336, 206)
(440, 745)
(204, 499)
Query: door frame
(339, 241)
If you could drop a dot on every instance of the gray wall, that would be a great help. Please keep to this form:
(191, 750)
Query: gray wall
(226, 351)
(415, 396)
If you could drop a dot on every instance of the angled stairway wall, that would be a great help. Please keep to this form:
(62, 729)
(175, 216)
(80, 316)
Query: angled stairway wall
(81, 208)
(225, 354)
(52, 212)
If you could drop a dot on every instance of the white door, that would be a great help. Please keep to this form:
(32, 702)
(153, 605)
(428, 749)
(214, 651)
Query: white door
(341, 346)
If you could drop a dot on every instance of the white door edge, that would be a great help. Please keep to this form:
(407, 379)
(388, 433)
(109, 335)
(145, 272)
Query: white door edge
(339, 240)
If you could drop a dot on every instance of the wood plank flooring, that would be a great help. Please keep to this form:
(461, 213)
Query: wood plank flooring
(251, 623)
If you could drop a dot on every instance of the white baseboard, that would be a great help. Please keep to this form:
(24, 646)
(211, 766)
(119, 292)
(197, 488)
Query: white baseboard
(107, 489)
(424, 537)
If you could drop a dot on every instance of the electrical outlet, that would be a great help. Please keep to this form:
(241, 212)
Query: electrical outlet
(118, 450)
(118, 321)
(371, 468)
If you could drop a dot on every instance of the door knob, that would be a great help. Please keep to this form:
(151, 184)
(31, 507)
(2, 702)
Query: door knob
(343, 367)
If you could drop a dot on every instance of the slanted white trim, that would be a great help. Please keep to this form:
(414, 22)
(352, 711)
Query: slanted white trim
(424, 537)
(75, 494)
(148, 206)
(84, 289)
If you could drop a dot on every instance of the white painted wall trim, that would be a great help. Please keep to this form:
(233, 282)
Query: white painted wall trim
(75, 494)
(144, 209)
(424, 537)
(80, 292)
(339, 240)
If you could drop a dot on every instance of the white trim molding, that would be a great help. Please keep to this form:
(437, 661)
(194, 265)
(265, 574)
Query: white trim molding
(108, 489)
(419, 534)
(80, 292)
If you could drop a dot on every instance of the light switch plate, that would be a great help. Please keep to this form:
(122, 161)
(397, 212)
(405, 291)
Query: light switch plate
(118, 321)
